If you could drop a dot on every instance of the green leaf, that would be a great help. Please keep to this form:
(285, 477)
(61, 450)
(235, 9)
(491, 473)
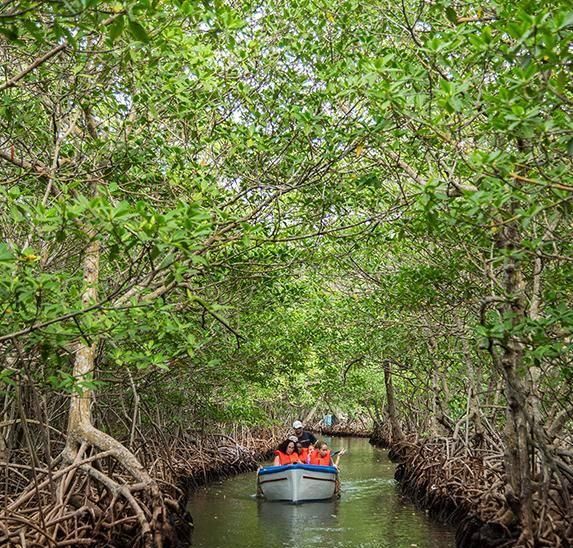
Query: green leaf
(10, 32)
(5, 254)
(451, 15)
(138, 32)
(116, 28)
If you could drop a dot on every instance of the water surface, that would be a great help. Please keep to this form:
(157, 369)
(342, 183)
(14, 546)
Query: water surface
(370, 513)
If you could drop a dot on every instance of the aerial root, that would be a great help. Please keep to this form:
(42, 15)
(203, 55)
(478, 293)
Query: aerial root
(87, 502)
(89, 496)
(467, 486)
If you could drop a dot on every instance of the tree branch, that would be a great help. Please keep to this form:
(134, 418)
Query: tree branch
(13, 81)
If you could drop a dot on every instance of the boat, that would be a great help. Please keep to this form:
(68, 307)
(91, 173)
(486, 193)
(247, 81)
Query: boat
(297, 482)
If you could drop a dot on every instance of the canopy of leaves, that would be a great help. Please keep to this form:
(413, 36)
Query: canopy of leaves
(285, 195)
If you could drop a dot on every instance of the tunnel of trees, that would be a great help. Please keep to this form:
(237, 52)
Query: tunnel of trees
(224, 215)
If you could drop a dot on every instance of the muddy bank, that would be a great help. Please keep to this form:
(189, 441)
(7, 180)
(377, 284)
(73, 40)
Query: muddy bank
(465, 486)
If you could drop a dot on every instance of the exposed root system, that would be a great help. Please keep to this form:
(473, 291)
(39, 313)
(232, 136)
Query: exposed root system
(91, 500)
(466, 486)
(346, 429)
(83, 499)
(196, 461)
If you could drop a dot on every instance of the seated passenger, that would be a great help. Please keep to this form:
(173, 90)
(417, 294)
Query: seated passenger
(322, 457)
(304, 452)
(286, 453)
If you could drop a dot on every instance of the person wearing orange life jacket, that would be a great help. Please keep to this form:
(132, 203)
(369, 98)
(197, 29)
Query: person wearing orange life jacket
(304, 452)
(286, 453)
(321, 455)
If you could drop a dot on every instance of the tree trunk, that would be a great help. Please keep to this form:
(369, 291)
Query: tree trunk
(81, 430)
(440, 423)
(474, 411)
(518, 446)
(397, 434)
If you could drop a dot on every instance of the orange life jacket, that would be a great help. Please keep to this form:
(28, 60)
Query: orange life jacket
(287, 459)
(317, 459)
(303, 454)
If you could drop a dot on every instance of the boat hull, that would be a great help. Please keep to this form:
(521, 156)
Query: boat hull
(297, 482)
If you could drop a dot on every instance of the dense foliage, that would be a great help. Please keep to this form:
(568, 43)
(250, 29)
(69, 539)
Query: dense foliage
(283, 200)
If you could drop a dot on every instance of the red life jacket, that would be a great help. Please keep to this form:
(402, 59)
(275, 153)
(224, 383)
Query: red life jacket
(317, 459)
(286, 459)
(303, 454)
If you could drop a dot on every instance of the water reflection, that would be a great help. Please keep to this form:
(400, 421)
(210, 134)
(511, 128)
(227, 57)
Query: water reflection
(369, 514)
(292, 519)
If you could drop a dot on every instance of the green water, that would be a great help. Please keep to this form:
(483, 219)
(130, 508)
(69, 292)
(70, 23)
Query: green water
(370, 512)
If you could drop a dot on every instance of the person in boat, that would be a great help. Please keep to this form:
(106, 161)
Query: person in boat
(304, 437)
(296, 444)
(286, 453)
(304, 452)
(321, 456)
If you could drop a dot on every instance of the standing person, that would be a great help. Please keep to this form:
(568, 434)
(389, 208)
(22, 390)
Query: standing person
(304, 437)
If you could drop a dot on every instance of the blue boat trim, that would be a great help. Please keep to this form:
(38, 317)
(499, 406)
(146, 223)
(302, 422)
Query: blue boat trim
(310, 467)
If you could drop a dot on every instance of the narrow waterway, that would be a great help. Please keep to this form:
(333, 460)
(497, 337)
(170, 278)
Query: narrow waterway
(370, 512)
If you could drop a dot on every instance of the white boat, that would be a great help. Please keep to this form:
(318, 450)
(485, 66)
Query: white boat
(297, 482)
